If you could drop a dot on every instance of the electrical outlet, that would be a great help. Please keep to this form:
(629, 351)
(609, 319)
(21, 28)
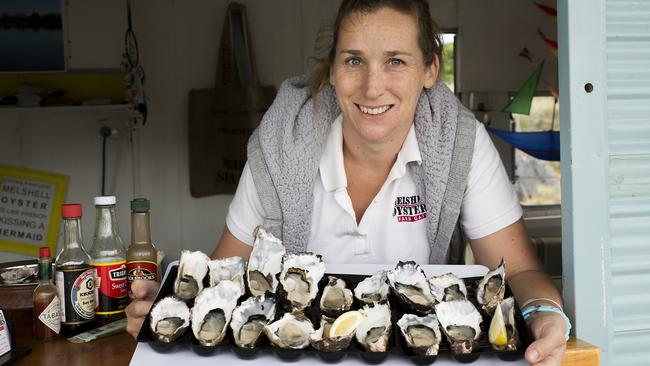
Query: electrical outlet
(120, 129)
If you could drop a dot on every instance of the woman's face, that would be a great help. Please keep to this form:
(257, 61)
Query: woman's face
(378, 73)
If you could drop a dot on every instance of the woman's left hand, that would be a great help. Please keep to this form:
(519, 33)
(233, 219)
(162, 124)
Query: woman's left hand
(548, 329)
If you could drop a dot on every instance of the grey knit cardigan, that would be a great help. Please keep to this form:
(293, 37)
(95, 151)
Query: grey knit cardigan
(284, 154)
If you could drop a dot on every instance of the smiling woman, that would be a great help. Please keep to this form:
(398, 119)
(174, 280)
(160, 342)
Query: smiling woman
(378, 161)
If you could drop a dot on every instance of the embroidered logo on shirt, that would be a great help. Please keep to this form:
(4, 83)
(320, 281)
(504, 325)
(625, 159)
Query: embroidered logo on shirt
(409, 209)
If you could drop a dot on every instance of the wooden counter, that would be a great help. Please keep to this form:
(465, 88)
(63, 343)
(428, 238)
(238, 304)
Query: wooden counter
(118, 350)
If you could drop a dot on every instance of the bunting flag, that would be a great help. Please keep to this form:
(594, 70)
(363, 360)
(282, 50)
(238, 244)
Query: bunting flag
(551, 43)
(526, 54)
(544, 145)
(548, 10)
(520, 104)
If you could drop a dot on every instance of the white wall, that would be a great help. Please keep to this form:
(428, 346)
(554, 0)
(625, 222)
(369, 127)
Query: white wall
(178, 45)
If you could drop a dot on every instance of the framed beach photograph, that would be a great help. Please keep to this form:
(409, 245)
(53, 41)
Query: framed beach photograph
(31, 36)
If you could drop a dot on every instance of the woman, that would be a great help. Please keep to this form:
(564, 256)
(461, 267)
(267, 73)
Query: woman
(376, 164)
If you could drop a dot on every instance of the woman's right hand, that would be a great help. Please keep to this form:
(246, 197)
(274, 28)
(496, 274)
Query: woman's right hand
(143, 293)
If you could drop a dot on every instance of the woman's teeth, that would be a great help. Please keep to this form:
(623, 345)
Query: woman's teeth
(373, 111)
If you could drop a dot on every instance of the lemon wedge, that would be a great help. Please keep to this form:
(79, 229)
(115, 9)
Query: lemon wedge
(497, 334)
(346, 323)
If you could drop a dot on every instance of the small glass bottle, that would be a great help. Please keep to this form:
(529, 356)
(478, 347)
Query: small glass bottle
(109, 260)
(47, 304)
(75, 278)
(141, 257)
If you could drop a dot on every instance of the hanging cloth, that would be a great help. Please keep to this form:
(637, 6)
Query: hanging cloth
(543, 145)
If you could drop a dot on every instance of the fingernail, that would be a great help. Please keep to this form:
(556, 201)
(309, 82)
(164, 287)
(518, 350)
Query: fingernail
(533, 356)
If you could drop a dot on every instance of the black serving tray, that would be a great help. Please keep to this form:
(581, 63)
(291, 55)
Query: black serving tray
(396, 343)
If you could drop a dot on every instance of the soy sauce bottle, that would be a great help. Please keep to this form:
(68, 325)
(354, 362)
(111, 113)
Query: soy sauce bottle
(75, 277)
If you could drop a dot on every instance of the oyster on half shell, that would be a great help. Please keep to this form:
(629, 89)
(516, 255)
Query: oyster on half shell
(422, 334)
(410, 285)
(374, 330)
(503, 334)
(336, 297)
(322, 341)
(292, 331)
(299, 279)
(249, 319)
(448, 287)
(491, 289)
(461, 322)
(232, 268)
(212, 311)
(373, 289)
(169, 319)
(265, 263)
(192, 269)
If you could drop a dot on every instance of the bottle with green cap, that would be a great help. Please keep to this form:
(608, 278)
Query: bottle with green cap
(141, 256)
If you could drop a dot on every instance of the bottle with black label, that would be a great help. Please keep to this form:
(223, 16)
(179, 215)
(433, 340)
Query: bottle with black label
(109, 260)
(75, 278)
(141, 257)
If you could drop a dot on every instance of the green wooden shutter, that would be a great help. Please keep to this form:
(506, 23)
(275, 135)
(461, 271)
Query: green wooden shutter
(606, 163)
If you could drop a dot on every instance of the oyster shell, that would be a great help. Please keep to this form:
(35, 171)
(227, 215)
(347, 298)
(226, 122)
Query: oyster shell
(373, 289)
(18, 274)
(292, 331)
(169, 319)
(249, 319)
(448, 287)
(322, 341)
(491, 289)
(374, 331)
(422, 334)
(192, 269)
(265, 263)
(503, 322)
(411, 287)
(461, 322)
(232, 268)
(299, 279)
(336, 297)
(212, 311)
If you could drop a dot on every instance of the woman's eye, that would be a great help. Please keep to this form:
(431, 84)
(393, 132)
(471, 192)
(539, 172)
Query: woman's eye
(354, 62)
(395, 62)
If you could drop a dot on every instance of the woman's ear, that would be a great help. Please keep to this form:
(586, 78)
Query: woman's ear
(431, 73)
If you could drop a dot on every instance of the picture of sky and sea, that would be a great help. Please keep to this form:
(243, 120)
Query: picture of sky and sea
(31, 36)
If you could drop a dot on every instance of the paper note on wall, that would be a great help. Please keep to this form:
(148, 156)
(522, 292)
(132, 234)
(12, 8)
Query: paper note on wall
(30, 204)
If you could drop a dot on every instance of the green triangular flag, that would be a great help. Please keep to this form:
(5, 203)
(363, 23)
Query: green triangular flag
(521, 102)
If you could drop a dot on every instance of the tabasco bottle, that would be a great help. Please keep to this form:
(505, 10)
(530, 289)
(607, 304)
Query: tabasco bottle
(75, 278)
(141, 257)
(47, 305)
(109, 260)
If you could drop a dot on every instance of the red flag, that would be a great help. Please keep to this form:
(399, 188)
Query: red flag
(525, 53)
(548, 10)
(551, 43)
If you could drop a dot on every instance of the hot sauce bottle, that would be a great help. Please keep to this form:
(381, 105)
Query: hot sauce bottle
(141, 257)
(47, 304)
(109, 260)
(75, 278)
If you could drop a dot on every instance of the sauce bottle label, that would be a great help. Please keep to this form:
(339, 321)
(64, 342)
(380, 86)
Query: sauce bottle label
(141, 270)
(77, 288)
(110, 288)
(51, 315)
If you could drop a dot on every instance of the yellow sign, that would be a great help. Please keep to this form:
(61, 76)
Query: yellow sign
(30, 209)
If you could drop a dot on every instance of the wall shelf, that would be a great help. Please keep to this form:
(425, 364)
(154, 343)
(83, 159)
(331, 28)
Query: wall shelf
(91, 111)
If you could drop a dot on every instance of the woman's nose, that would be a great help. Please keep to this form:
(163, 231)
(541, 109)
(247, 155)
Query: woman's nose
(374, 83)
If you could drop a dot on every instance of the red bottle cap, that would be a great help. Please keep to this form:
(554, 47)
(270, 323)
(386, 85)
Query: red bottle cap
(44, 251)
(71, 210)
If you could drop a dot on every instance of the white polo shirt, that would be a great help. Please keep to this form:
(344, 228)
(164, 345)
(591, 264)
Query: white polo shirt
(394, 225)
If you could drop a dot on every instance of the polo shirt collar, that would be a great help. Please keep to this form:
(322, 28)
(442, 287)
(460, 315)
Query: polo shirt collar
(332, 169)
